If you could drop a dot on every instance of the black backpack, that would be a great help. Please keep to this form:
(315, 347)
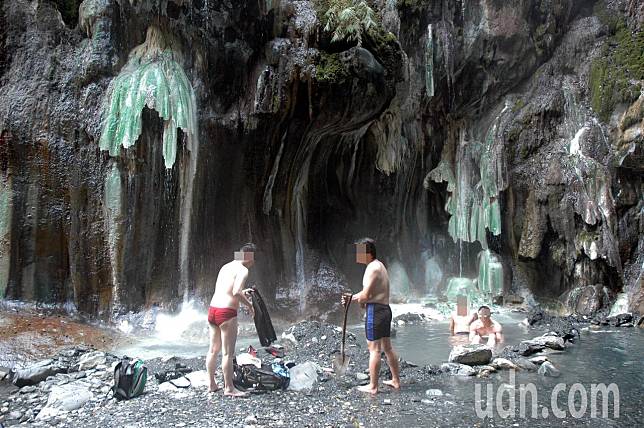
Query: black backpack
(130, 377)
(260, 379)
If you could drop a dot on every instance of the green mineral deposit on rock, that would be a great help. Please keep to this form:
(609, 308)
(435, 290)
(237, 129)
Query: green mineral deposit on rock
(490, 273)
(153, 78)
(457, 286)
(473, 205)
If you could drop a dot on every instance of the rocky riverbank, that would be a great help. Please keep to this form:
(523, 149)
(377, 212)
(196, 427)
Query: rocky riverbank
(35, 332)
(72, 388)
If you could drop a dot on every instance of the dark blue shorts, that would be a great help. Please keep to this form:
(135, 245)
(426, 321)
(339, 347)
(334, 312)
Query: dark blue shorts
(378, 322)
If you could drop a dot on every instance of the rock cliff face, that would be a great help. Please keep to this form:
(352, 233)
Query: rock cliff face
(142, 142)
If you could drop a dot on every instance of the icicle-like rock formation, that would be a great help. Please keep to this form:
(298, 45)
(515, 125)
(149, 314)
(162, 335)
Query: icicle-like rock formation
(153, 77)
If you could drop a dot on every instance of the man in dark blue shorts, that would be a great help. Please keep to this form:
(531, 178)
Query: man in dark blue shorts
(375, 298)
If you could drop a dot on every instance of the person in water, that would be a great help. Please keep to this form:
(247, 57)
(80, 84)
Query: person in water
(485, 329)
(222, 317)
(375, 298)
(461, 320)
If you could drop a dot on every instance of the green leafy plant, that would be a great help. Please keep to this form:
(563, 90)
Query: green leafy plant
(349, 20)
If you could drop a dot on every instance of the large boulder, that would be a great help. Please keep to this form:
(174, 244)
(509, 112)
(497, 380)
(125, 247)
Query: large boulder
(503, 363)
(65, 398)
(37, 373)
(587, 300)
(91, 360)
(525, 364)
(472, 355)
(539, 359)
(456, 369)
(552, 342)
(548, 369)
(409, 318)
(304, 377)
(526, 348)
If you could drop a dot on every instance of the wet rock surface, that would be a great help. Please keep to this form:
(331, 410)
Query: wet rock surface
(472, 355)
(548, 369)
(410, 318)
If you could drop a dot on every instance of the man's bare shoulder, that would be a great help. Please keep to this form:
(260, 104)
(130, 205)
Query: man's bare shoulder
(496, 326)
(376, 266)
(242, 269)
(226, 266)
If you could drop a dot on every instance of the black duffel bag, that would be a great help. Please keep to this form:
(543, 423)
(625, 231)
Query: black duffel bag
(260, 379)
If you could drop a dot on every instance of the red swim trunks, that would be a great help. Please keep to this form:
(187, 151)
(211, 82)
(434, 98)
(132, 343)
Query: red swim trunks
(217, 316)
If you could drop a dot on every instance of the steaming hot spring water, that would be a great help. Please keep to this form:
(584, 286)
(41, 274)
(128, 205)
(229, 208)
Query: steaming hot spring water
(603, 355)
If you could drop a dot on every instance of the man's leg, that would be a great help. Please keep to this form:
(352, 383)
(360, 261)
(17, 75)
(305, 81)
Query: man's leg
(211, 357)
(392, 360)
(374, 366)
(228, 341)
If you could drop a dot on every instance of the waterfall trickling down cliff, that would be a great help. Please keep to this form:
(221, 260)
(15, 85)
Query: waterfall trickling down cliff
(5, 229)
(154, 78)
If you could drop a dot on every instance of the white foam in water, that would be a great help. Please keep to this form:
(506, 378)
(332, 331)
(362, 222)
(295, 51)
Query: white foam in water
(170, 327)
(125, 326)
(620, 306)
(180, 334)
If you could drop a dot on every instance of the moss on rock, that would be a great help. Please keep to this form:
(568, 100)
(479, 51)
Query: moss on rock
(330, 69)
(614, 72)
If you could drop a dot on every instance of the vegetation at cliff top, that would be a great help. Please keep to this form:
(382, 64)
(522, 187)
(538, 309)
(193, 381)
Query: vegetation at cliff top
(355, 22)
(614, 74)
(347, 20)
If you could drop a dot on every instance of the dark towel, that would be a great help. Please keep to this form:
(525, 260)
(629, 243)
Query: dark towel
(263, 323)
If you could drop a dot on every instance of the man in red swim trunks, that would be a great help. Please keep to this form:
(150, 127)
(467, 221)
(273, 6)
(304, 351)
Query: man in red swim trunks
(222, 317)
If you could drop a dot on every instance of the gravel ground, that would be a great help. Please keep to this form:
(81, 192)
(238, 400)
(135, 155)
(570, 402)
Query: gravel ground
(333, 402)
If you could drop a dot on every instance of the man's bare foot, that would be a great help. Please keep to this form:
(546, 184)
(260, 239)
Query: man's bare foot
(395, 384)
(368, 389)
(214, 388)
(236, 393)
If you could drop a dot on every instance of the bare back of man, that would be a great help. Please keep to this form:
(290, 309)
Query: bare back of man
(461, 319)
(222, 319)
(461, 323)
(223, 296)
(375, 297)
